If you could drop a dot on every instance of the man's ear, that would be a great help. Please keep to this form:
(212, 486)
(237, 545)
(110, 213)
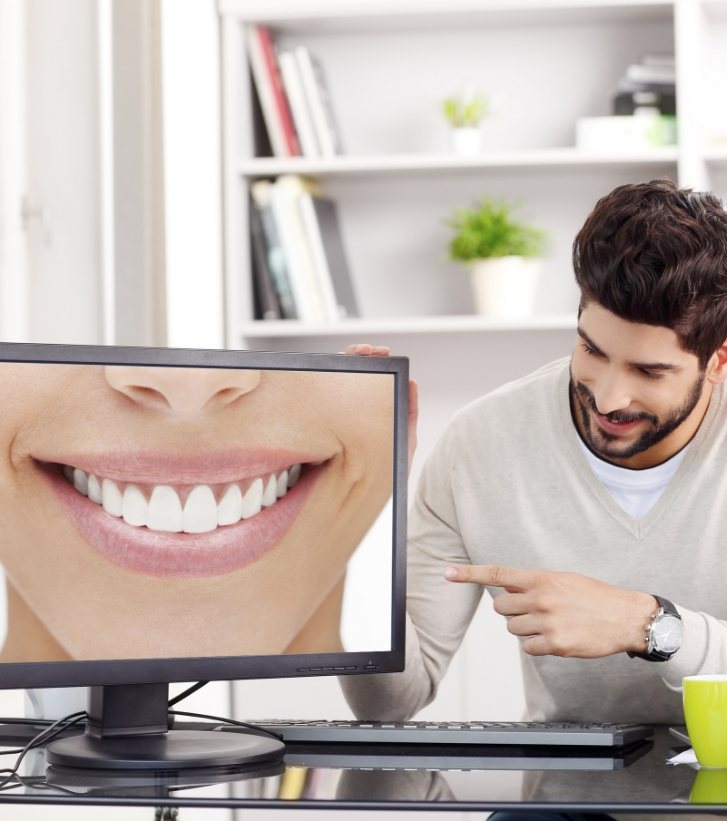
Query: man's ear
(717, 366)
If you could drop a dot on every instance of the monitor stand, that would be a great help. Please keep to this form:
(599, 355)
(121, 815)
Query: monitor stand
(128, 729)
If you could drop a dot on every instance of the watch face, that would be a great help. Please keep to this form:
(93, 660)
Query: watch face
(666, 633)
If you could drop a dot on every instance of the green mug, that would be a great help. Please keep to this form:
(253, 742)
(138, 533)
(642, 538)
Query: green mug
(705, 712)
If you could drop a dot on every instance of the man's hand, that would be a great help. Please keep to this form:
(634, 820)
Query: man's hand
(564, 614)
(383, 350)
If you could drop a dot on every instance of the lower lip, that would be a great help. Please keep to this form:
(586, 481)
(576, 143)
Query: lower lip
(155, 553)
(617, 427)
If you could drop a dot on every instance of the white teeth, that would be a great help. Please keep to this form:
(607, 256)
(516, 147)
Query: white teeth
(164, 511)
(200, 511)
(229, 510)
(94, 489)
(252, 501)
(270, 494)
(134, 506)
(80, 481)
(293, 475)
(111, 498)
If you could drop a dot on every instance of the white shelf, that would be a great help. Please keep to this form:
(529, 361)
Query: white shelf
(385, 15)
(447, 163)
(716, 155)
(272, 329)
(398, 185)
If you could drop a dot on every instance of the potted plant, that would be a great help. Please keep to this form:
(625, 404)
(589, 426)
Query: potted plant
(504, 257)
(465, 112)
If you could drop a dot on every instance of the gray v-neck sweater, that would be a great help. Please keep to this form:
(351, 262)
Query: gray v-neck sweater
(508, 484)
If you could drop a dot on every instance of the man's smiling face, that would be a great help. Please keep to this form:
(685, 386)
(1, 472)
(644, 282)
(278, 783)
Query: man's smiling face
(638, 397)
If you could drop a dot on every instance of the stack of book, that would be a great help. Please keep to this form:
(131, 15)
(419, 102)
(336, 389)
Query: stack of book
(300, 269)
(648, 87)
(294, 98)
(644, 110)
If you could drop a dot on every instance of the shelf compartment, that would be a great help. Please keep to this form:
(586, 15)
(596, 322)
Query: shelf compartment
(332, 16)
(405, 164)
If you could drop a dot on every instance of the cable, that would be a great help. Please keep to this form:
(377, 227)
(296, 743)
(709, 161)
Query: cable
(254, 727)
(38, 721)
(41, 738)
(188, 692)
(28, 722)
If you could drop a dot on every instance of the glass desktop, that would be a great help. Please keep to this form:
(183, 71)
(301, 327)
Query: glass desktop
(636, 780)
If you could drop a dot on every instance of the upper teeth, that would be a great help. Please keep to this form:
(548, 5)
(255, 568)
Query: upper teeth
(162, 509)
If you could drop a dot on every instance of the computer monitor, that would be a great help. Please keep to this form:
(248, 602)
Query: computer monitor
(174, 515)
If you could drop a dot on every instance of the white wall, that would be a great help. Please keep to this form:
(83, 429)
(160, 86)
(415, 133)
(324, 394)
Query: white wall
(62, 150)
(192, 173)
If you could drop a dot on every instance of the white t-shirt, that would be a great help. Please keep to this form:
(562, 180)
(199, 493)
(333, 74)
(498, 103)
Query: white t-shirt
(636, 491)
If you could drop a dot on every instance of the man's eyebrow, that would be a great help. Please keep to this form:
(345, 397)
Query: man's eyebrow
(587, 339)
(645, 366)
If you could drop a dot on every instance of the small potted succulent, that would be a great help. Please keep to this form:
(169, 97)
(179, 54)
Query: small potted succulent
(465, 112)
(504, 257)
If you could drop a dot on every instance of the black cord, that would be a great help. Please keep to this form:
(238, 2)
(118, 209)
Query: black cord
(188, 692)
(41, 738)
(231, 721)
(38, 721)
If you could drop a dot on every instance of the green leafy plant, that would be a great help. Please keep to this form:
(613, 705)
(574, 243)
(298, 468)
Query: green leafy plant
(465, 110)
(489, 230)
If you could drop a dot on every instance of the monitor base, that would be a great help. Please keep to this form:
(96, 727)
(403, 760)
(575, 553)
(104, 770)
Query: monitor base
(174, 750)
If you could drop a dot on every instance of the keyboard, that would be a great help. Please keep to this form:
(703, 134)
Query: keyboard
(432, 733)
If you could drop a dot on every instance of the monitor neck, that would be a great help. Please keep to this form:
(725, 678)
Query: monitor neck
(128, 709)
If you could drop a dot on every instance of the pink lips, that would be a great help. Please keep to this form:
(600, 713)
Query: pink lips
(182, 554)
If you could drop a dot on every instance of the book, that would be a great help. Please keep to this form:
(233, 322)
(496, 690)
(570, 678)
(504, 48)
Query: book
(324, 283)
(269, 87)
(286, 192)
(659, 74)
(324, 231)
(302, 119)
(277, 268)
(267, 305)
(319, 102)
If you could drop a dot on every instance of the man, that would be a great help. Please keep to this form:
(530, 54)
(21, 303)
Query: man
(590, 498)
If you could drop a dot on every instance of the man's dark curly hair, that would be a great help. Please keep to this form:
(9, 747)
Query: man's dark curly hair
(657, 254)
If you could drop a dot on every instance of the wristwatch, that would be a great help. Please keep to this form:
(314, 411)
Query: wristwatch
(664, 633)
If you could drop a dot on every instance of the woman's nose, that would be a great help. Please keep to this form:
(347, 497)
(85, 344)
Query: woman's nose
(186, 391)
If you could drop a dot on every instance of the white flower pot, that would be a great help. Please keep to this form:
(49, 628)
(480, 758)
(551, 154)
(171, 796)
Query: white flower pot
(467, 141)
(504, 287)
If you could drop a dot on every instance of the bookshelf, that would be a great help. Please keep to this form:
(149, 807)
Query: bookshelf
(398, 181)
(388, 64)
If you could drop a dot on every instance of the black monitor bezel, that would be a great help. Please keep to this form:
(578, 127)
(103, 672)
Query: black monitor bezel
(132, 671)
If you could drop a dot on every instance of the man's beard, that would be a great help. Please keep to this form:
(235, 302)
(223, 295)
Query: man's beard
(606, 445)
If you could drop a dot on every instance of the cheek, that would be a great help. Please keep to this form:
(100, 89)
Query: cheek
(584, 368)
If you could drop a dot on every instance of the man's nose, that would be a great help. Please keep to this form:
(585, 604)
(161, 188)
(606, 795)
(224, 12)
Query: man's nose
(186, 391)
(611, 393)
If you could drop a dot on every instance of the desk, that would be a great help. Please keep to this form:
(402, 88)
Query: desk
(326, 778)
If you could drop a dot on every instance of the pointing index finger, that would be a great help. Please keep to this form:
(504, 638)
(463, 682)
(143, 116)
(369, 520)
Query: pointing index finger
(511, 578)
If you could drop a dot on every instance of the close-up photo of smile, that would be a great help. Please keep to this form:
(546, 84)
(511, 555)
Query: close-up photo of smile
(197, 497)
(215, 524)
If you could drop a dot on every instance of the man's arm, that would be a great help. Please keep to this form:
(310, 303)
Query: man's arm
(574, 616)
(438, 612)
(564, 614)
(703, 651)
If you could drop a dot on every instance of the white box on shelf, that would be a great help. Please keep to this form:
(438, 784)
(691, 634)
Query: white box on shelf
(625, 132)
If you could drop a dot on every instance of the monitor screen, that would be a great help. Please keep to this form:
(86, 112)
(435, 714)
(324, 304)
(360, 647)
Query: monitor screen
(173, 515)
